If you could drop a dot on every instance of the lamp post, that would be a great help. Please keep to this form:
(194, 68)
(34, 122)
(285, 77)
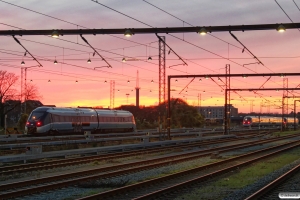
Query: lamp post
(295, 114)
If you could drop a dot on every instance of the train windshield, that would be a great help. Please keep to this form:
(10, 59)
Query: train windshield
(247, 120)
(35, 116)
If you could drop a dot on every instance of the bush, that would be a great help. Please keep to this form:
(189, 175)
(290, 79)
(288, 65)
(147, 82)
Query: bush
(22, 121)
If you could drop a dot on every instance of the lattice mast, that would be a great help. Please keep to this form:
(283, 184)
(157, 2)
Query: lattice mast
(162, 69)
(112, 94)
(251, 106)
(284, 100)
(137, 90)
(227, 101)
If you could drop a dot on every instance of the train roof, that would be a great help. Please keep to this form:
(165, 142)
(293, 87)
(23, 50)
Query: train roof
(70, 109)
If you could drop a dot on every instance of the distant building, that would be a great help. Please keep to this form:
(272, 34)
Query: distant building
(210, 112)
(14, 115)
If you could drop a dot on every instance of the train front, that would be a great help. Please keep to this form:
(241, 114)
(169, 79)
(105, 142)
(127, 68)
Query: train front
(247, 121)
(36, 121)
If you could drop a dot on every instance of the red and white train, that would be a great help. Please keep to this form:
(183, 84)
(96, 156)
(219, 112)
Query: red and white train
(63, 121)
(269, 121)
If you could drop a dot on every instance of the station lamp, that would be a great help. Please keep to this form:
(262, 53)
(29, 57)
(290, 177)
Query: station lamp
(202, 31)
(55, 34)
(281, 28)
(128, 33)
(22, 63)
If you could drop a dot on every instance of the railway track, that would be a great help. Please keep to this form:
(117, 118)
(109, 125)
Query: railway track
(21, 168)
(287, 184)
(63, 180)
(168, 187)
(5, 142)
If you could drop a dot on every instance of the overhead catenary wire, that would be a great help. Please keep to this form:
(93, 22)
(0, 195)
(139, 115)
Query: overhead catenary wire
(189, 23)
(171, 34)
(95, 50)
(40, 13)
(40, 65)
(286, 13)
(247, 49)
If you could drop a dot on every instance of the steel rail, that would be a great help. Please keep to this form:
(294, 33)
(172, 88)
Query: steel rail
(116, 167)
(73, 161)
(82, 160)
(273, 184)
(65, 183)
(153, 195)
(20, 168)
(210, 175)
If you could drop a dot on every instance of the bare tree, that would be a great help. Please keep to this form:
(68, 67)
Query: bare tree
(9, 93)
(31, 92)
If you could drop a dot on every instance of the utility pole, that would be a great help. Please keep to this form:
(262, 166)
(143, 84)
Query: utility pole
(284, 101)
(162, 69)
(137, 90)
(251, 106)
(295, 114)
(127, 97)
(112, 94)
(227, 101)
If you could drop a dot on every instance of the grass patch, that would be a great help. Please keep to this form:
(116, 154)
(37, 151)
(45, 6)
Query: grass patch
(87, 193)
(246, 176)
(165, 172)
(283, 133)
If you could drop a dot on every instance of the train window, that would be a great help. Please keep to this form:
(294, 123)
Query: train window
(93, 118)
(68, 118)
(55, 118)
(47, 119)
(36, 115)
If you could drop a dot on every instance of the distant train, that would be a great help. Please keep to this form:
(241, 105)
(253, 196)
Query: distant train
(269, 121)
(63, 121)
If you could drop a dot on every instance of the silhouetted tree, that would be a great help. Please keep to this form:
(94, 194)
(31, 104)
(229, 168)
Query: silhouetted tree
(9, 94)
(183, 115)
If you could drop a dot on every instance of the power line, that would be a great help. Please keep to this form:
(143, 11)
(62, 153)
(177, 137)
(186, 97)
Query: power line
(171, 35)
(286, 13)
(64, 21)
(189, 23)
(296, 5)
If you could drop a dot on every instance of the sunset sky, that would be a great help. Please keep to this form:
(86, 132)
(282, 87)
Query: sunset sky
(203, 54)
